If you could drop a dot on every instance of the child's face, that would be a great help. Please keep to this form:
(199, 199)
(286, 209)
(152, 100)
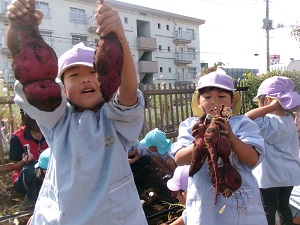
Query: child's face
(82, 87)
(153, 149)
(215, 97)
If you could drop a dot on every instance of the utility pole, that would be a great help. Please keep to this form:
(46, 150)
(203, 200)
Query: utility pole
(267, 25)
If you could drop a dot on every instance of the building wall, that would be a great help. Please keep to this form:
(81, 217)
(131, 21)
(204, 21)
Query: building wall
(137, 21)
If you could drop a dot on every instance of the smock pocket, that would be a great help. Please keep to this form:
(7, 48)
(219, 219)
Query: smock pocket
(123, 197)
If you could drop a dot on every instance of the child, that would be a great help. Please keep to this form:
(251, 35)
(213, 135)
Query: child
(89, 180)
(134, 156)
(179, 184)
(40, 170)
(159, 148)
(247, 150)
(277, 173)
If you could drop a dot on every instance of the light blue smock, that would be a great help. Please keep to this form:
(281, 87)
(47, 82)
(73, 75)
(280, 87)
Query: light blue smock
(281, 165)
(244, 207)
(89, 180)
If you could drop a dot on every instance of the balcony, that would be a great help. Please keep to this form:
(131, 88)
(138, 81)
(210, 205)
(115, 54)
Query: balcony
(185, 77)
(184, 57)
(147, 67)
(183, 37)
(146, 44)
(8, 76)
(3, 46)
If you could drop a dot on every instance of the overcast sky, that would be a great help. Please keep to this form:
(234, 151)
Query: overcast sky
(233, 30)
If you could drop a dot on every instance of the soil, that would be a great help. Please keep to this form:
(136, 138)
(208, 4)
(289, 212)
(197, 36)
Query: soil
(160, 208)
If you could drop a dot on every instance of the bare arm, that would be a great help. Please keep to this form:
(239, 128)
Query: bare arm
(18, 165)
(184, 156)
(262, 111)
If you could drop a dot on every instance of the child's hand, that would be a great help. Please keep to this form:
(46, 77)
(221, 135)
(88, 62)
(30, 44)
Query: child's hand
(27, 158)
(108, 21)
(18, 8)
(225, 128)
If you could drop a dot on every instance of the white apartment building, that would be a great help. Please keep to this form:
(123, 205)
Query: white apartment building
(165, 46)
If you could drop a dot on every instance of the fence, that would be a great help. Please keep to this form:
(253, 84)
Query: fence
(166, 106)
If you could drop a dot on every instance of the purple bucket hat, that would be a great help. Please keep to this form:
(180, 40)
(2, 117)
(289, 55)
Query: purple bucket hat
(180, 179)
(79, 55)
(217, 79)
(281, 88)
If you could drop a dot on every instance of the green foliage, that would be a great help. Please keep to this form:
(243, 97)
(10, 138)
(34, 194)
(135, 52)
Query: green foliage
(207, 70)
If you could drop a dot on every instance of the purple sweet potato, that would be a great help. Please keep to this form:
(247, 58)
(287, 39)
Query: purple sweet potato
(108, 63)
(33, 61)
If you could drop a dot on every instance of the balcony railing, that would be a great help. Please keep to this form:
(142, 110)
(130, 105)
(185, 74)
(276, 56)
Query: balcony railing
(185, 57)
(184, 36)
(185, 76)
(8, 76)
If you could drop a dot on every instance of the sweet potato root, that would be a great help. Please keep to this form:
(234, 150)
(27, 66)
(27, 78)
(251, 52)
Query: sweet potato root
(211, 144)
(108, 63)
(200, 152)
(33, 61)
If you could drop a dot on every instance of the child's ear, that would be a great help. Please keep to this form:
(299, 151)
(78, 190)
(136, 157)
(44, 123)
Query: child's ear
(233, 101)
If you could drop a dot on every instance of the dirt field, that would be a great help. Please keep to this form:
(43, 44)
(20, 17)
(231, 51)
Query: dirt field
(148, 179)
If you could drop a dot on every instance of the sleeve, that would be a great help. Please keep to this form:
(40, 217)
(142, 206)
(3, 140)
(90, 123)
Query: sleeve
(15, 149)
(185, 137)
(248, 132)
(47, 119)
(128, 123)
(268, 129)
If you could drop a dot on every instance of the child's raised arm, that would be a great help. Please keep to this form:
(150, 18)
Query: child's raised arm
(272, 106)
(109, 21)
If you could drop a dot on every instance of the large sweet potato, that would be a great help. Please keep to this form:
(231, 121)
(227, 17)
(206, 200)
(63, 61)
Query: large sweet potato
(108, 63)
(34, 61)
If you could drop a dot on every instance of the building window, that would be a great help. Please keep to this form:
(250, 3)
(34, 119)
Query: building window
(44, 7)
(161, 69)
(47, 37)
(169, 48)
(159, 47)
(170, 70)
(168, 27)
(158, 25)
(126, 20)
(77, 15)
(77, 39)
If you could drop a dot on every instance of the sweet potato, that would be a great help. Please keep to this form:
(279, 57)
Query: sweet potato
(108, 63)
(200, 152)
(33, 61)
(210, 143)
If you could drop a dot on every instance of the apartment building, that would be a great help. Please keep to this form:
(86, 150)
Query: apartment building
(165, 46)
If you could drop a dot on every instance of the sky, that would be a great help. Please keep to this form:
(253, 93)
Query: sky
(233, 32)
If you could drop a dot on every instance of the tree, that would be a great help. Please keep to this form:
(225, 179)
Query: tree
(207, 70)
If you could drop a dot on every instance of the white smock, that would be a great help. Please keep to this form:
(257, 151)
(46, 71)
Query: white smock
(89, 180)
(281, 165)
